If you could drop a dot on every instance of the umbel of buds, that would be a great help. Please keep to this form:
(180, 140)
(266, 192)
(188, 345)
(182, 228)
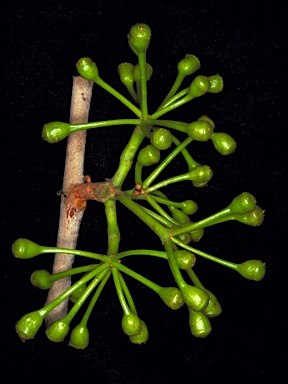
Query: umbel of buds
(154, 144)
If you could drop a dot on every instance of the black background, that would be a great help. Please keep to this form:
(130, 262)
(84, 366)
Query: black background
(245, 44)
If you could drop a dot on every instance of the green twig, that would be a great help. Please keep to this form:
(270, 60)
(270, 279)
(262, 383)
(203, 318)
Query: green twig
(118, 96)
(106, 123)
(94, 299)
(127, 157)
(112, 227)
(165, 162)
(204, 254)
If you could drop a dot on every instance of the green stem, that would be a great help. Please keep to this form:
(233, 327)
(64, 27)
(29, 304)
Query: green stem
(161, 231)
(138, 91)
(94, 299)
(73, 311)
(53, 304)
(143, 99)
(166, 201)
(174, 265)
(177, 125)
(195, 279)
(165, 162)
(68, 251)
(138, 173)
(132, 92)
(204, 254)
(150, 199)
(100, 124)
(73, 271)
(160, 219)
(112, 227)
(127, 294)
(146, 128)
(217, 218)
(155, 287)
(119, 291)
(171, 180)
(189, 160)
(163, 199)
(160, 194)
(127, 157)
(170, 107)
(118, 96)
(139, 252)
(178, 81)
(176, 97)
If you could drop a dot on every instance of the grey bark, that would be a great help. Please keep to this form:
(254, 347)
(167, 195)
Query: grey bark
(73, 174)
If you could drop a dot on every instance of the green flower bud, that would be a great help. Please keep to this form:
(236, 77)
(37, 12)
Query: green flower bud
(148, 156)
(243, 203)
(197, 184)
(201, 174)
(185, 238)
(253, 218)
(25, 249)
(197, 235)
(186, 260)
(28, 325)
(79, 337)
(223, 143)
(131, 324)
(87, 69)
(252, 270)
(78, 293)
(136, 72)
(58, 330)
(216, 84)
(199, 86)
(199, 130)
(199, 324)
(190, 64)
(142, 337)
(55, 131)
(208, 120)
(179, 215)
(195, 298)
(161, 138)
(172, 297)
(189, 207)
(213, 308)
(139, 38)
(41, 279)
(125, 71)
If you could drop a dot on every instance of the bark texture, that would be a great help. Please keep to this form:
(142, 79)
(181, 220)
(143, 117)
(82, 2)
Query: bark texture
(73, 175)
